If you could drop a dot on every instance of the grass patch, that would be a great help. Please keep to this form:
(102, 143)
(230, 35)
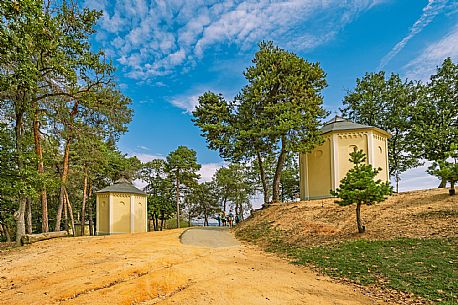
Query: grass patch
(424, 267)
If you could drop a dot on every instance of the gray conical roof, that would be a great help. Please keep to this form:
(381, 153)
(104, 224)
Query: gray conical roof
(338, 123)
(121, 186)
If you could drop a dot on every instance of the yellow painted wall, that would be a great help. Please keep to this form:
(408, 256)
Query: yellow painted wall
(121, 213)
(103, 215)
(346, 142)
(140, 214)
(380, 156)
(319, 170)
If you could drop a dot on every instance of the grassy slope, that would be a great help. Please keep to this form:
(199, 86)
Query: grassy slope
(411, 244)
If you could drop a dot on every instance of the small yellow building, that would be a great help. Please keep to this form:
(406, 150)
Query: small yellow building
(322, 169)
(121, 208)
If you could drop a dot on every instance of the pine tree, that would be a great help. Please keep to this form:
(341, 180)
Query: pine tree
(182, 168)
(359, 187)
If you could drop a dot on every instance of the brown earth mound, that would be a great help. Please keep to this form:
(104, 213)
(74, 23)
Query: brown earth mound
(420, 214)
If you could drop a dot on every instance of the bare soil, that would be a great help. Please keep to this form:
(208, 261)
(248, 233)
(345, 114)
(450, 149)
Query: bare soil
(419, 214)
(156, 268)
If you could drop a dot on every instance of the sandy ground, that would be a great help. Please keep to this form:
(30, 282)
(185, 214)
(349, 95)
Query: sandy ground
(209, 267)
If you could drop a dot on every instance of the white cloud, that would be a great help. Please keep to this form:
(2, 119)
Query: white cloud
(208, 170)
(140, 184)
(146, 157)
(430, 11)
(189, 100)
(425, 64)
(417, 179)
(187, 103)
(142, 147)
(155, 38)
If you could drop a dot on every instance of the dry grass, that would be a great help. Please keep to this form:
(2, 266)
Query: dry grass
(419, 214)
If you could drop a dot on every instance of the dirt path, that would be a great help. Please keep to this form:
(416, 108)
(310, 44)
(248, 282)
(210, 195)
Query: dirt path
(156, 268)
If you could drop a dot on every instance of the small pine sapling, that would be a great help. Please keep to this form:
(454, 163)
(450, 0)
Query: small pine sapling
(359, 187)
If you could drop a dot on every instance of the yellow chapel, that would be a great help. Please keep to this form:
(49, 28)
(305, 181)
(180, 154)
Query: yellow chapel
(323, 168)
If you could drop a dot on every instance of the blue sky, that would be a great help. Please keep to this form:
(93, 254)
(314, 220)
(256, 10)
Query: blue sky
(167, 53)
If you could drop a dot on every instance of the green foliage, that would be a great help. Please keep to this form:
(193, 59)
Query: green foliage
(435, 118)
(386, 103)
(202, 201)
(289, 181)
(358, 186)
(447, 170)
(182, 168)
(55, 90)
(234, 188)
(160, 192)
(214, 117)
(283, 99)
(182, 165)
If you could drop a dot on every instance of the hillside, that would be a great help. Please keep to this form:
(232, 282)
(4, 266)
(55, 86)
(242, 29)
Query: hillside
(418, 214)
(408, 254)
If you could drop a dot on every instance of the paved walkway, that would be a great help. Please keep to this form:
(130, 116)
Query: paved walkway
(212, 237)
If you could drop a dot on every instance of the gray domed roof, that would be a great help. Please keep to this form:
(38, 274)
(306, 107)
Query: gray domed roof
(338, 123)
(122, 186)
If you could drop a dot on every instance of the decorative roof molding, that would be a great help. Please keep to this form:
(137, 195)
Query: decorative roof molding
(122, 186)
(340, 124)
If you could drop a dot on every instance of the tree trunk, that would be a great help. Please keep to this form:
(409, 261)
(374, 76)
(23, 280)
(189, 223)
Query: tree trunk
(40, 168)
(70, 211)
(177, 182)
(32, 238)
(452, 191)
(443, 183)
(361, 228)
(6, 232)
(20, 213)
(162, 223)
(63, 181)
(278, 171)
(83, 206)
(20, 220)
(262, 175)
(65, 214)
(65, 166)
(91, 223)
(28, 228)
(224, 204)
(154, 222)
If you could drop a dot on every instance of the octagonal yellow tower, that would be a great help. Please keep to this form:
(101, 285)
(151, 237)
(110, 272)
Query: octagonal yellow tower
(322, 169)
(121, 208)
